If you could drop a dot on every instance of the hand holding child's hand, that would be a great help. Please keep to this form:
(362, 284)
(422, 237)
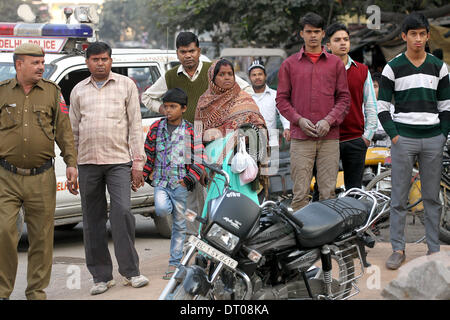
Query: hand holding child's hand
(182, 183)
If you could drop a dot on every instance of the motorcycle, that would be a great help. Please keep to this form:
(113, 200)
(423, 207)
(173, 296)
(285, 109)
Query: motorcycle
(246, 251)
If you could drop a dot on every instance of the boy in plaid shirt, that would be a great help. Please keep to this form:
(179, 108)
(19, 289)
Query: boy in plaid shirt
(173, 167)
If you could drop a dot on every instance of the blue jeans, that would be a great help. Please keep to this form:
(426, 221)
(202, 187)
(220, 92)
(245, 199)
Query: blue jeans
(173, 201)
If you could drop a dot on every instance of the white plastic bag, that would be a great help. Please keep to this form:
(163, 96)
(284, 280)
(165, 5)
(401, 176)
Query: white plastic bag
(239, 162)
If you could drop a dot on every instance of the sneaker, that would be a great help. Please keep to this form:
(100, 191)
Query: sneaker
(136, 282)
(101, 287)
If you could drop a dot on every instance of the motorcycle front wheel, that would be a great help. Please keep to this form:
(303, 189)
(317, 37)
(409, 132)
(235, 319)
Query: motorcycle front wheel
(180, 294)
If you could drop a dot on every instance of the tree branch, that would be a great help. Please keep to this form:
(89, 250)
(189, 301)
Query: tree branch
(397, 17)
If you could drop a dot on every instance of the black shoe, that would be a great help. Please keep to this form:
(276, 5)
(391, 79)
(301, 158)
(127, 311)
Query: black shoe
(395, 260)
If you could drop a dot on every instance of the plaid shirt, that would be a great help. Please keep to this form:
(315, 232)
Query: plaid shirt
(106, 122)
(173, 158)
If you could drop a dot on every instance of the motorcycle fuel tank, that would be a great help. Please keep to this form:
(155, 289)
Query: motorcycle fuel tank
(235, 212)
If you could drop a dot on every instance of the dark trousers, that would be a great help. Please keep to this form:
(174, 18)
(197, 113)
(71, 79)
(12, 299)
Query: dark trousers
(93, 182)
(353, 156)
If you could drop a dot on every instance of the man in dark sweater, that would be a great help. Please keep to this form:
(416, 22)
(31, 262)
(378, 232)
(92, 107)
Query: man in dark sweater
(360, 124)
(418, 83)
(191, 76)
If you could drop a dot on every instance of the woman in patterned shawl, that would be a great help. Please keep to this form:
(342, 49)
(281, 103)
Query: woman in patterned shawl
(221, 112)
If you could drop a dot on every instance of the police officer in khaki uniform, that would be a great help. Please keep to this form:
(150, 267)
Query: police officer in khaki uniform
(31, 120)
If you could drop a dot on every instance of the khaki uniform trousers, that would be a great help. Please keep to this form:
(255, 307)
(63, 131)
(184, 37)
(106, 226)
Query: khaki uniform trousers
(303, 155)
(37, 194)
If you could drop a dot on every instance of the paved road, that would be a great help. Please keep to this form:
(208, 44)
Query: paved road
(70, 277)
(72, 281)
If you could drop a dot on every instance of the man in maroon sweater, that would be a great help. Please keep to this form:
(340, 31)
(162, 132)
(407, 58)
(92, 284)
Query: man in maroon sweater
(313, 95)
(360, 124)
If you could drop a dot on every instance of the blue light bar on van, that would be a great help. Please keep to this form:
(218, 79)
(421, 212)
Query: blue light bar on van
(45, 30)
(67, 30)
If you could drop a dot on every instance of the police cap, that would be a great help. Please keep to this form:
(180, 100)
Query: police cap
(29, 49)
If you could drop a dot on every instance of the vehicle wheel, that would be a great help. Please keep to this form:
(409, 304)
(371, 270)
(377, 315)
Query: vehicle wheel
(180, 294)
(444, 224)
(66, 227)
(444, 228)
(414, 231)
(381, 183)
(164, 225)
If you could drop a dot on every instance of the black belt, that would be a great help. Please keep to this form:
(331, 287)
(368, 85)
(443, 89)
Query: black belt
(26, 172)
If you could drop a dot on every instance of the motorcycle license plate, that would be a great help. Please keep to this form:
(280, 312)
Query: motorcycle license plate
(214, 253)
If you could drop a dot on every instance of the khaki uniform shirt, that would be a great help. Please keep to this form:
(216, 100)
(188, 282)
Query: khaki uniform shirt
(29, 125)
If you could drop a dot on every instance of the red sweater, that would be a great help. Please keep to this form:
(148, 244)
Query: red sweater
(353, 125)
(314, 91)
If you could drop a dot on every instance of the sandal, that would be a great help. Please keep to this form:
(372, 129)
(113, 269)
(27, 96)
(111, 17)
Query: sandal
(169, 273)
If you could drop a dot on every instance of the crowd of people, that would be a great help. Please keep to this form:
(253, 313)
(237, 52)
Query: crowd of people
(329, 106)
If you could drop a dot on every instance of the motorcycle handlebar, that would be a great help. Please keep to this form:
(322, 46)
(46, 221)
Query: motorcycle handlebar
(218, 170)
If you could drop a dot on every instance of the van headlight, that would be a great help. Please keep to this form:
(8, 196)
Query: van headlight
(222, 238)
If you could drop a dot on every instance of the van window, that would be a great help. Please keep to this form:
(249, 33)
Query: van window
(143, 77)
(7, 70)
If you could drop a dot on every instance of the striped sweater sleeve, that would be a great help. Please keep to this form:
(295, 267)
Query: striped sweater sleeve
(385, 95)
(150, 150)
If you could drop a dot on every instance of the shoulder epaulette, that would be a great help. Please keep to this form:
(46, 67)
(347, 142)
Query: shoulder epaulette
(52, 82)
(2, 83)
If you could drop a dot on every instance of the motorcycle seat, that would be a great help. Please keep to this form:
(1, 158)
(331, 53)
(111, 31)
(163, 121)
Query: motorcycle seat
(324, 221)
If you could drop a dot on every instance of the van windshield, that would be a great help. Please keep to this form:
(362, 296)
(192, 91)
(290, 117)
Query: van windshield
(7, 70)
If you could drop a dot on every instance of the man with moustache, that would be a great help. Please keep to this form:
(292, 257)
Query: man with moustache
(107, 127)
(32, 119)
(265, 99)
(192, 77)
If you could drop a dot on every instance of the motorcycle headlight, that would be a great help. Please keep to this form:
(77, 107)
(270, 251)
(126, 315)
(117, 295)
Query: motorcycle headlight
(222, 238)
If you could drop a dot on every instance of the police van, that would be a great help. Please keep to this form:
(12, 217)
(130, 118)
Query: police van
(64, 45)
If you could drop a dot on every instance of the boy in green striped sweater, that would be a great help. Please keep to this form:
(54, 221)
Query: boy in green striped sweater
(418, 83)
